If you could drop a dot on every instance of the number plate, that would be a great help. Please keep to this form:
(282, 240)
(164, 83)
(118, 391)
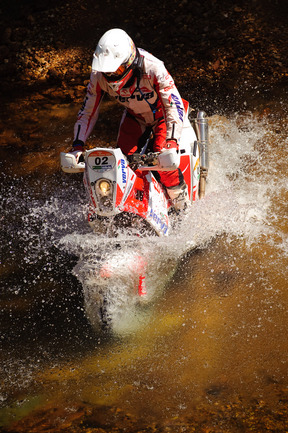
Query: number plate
(101, 160)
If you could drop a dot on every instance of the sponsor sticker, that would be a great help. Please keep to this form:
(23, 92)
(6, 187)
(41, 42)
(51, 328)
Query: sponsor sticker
(159, 220)
(122, 166)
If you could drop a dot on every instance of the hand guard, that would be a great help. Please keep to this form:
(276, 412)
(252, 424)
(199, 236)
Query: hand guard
(77, 154)
(71, 163)
(169, 159)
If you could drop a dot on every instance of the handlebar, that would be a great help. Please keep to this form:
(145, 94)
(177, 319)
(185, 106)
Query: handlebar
(150, 159)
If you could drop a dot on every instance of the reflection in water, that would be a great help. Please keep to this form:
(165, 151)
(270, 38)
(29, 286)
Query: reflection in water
(211, 343)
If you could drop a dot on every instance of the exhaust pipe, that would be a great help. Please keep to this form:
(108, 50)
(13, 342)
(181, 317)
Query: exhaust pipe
(201, 127)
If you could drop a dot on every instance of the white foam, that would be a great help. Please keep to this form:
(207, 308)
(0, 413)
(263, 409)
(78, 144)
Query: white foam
(240, 199)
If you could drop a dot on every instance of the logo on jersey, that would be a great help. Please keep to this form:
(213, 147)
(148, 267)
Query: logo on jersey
(137, 96)
(177, 102)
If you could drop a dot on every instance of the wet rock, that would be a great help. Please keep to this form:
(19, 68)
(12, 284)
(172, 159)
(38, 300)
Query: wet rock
(5, 37)
(31, 19)
(54, 74)
(7, 69)
(4, 52)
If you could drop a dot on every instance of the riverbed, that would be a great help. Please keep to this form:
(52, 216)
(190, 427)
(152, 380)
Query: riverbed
(209, 351)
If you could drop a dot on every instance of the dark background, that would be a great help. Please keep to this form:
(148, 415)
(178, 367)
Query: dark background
(212, 47)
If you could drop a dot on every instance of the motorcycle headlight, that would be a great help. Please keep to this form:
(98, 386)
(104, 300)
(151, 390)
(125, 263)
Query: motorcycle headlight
(104, 193)
(104, 187)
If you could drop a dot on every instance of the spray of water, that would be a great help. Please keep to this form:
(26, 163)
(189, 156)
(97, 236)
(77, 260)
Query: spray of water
(243, 199)
(243, 183)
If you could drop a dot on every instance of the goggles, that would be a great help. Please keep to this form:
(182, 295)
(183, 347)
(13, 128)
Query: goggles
(118, 73)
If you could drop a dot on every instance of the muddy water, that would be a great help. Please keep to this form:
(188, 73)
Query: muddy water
(208, 352)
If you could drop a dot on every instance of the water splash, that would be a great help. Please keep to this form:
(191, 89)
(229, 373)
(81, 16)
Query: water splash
(243, 199)
(240, 193)
(46, 239)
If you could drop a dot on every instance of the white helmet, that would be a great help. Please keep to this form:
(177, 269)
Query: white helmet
(114, 57)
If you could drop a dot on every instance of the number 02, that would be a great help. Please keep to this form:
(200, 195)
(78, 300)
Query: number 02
(101, 161)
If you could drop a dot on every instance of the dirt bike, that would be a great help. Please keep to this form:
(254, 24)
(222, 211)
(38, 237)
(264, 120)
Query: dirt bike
(126, 193)
(127, 190)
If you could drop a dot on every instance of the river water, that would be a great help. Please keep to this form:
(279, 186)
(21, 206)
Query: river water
(209, 347)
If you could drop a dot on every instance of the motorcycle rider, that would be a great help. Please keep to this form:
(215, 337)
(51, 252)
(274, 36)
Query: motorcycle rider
(140, 82)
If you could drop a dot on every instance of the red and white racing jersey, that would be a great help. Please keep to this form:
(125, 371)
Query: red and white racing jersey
(149, 98)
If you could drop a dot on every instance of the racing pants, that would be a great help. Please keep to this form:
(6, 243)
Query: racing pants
(130, 140)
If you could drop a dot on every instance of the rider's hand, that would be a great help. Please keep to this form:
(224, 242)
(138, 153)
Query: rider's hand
(171, 144)
(78, 145)
(77, 150)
